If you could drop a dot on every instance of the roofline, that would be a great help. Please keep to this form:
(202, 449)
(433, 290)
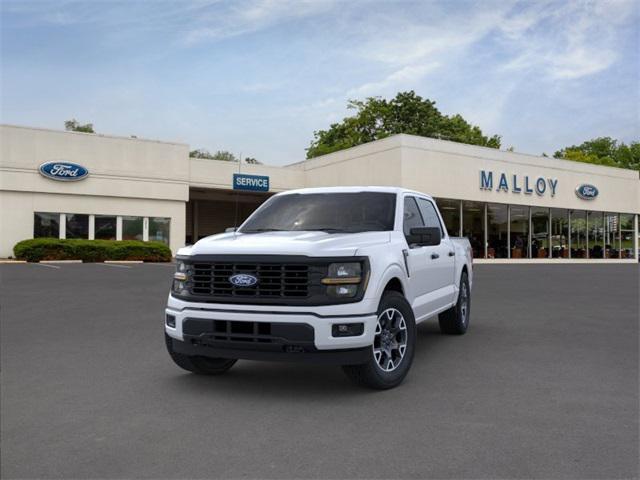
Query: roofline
(102, 135)
(474, 150)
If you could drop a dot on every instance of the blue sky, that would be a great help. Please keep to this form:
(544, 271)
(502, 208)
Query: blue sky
(257, 77)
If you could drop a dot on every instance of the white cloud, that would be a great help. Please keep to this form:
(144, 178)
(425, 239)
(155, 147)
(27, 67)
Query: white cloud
(405, 77)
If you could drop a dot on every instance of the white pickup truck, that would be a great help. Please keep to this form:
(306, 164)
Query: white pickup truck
(337, 275)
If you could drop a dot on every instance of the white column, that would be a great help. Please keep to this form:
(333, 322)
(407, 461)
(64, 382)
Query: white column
(118, 227)
(63, 225)
(92, 227)
(145, 229)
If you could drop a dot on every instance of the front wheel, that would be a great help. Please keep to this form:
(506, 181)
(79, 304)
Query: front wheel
(393, 346)
(199, 365)
(455, 321)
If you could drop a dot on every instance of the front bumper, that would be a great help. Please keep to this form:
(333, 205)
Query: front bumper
(213, 327)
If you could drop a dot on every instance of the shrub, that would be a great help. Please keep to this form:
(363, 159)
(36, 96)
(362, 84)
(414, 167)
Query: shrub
(37, 249)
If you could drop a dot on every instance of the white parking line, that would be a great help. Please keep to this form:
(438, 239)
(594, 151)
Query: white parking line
(46, 265)
(114, 265)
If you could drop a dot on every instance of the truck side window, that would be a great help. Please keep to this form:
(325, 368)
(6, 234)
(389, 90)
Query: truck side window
(412, 217)
(429, 214)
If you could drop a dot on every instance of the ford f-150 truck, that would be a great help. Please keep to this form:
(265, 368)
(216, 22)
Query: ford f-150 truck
(337, 275)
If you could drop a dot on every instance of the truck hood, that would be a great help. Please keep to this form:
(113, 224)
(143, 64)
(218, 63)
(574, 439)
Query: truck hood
(313, 244)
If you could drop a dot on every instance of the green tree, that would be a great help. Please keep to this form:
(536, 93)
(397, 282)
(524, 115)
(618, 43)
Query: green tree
(377, 118)
(604, 151)
(74, 126)
(219, 155)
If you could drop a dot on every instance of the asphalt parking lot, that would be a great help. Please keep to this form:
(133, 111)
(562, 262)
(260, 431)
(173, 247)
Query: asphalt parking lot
(544, 385)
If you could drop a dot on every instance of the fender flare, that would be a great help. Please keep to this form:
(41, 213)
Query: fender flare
(392, 271)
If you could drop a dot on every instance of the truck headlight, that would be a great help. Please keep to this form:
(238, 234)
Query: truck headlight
(342, 279)
(180, 278)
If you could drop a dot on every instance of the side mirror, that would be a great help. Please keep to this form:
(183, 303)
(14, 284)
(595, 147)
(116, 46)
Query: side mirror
(424, 236)
(230, 229)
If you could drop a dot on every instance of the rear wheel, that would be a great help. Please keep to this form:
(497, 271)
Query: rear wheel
(199, 365)
(393, 346)
(455, 321)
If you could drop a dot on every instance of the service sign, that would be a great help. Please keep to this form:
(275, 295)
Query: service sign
(255, 183)
(586, 191)
(63, 171)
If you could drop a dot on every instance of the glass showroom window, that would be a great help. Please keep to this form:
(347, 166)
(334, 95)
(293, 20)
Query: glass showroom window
(519, 240)
(626, 235)
(105, 227)
(578, 234)
(539, 232)
(595, 236)
(611, 234)
(497, 230)
(559, 233)
(48, 225)
(450, 211)
(159, 229)
(132, 228)
(77, 226)
(473, 226)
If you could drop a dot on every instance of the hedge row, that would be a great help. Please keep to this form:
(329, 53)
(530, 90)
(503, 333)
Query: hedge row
(38, 249)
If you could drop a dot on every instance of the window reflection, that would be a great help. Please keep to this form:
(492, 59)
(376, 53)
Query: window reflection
(611, 235)
(595, 234)
(626, 235)
(578, 234)
(450, 211)
(46, 225)
(105, 227)
(497, 231)
(159, 229)
(132, 228)
(77, 226)
(473, 226)
(539, 232)
(519, 241)
(559, 233)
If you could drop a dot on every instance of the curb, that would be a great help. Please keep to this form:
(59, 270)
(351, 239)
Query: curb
(123, 261)
(60, 261)
(5, 261)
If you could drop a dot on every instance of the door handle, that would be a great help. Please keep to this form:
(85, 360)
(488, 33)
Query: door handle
(434, 256)
(452, 254)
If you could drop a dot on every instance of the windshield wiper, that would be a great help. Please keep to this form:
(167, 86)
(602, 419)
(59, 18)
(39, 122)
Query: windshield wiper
(260, 230)
(327, 229)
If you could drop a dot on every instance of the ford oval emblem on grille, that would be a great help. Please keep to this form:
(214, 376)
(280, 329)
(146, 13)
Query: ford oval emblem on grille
(243, 280)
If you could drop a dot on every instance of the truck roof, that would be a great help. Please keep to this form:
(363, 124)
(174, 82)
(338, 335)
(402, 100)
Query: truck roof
(353, 189)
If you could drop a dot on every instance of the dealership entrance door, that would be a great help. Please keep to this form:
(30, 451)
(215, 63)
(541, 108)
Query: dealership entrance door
(211, 211)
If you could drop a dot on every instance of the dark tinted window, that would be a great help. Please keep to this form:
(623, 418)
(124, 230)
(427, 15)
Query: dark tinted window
(332, 212)
(105, 227)
(46, 225)
(412, 217)
(77, 226)
(429, 214)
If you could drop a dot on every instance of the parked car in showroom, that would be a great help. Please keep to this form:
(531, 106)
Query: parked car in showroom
(337, 275)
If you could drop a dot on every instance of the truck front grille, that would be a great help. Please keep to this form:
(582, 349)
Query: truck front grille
(274, 280)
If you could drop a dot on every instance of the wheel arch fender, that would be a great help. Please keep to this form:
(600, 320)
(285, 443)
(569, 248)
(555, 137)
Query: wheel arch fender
(395, 276)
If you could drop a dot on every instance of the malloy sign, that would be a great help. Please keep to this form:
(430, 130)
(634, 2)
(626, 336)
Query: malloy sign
(518, 183)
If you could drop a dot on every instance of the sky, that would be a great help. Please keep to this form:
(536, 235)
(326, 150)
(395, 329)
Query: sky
(258, 77)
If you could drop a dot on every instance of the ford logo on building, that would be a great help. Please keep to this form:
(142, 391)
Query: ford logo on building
(586, 192)
(243, 280)
(64, 171)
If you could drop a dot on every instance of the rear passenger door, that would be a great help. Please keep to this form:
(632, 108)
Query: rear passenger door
(421, 281)
(441, 257)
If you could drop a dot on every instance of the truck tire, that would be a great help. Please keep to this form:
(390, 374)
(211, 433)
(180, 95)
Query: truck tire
(455, 321)
(199, 365)
(393, 346)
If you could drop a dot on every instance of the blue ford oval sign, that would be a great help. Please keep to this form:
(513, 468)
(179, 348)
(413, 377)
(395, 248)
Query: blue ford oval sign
(586, 192)
(64, 171)
(243, 280)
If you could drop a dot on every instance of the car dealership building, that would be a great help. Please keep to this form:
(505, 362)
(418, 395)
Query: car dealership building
(513, 207)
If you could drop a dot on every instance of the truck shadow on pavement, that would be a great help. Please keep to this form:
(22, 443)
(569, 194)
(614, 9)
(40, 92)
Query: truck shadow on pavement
(302, 381)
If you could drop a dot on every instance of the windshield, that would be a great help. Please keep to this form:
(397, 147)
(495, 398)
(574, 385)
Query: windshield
(328, 212)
